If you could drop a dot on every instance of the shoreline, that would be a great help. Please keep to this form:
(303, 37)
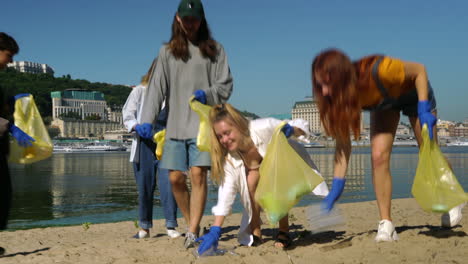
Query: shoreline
(421, 241)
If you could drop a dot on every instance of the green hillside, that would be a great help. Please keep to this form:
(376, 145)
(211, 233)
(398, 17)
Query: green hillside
(40, 86)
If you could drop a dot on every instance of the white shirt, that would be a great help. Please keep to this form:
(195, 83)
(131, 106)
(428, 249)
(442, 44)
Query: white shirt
(235, 178)
(130, 115)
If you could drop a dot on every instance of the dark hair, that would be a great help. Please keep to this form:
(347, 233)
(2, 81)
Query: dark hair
(340, 112)
(8, 43)
(178, 45)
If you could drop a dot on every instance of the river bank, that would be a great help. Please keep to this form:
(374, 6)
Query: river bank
(421, 241)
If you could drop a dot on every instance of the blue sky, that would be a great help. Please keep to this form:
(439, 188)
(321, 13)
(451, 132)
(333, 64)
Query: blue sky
(270, 44)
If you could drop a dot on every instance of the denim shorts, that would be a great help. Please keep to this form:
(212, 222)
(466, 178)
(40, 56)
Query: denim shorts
(182, 154)
(408, 103)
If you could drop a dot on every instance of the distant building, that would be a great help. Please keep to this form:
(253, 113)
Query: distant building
(459, 131)
(31, 67)
(115, 115)
(307, 110)
(71, 128)
(81, 102)
(444, 128)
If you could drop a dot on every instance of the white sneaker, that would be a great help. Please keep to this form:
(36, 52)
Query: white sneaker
(173, 233)
(453, 217)
(386, 232)
(141, 234)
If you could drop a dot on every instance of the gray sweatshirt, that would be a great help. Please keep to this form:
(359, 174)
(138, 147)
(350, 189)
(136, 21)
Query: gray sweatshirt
(177, 80)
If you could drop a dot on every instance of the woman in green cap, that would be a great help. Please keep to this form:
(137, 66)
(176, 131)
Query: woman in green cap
(192, 63)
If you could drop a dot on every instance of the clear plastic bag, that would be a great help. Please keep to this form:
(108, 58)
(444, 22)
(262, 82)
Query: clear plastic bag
(28, 119)
(284, 178)
(319, 221)
(435, 187)
(204, 130)
(219, 251)
(159, 139)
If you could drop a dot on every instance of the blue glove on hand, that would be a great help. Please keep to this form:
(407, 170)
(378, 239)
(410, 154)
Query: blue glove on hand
(23, 139)
(335, 193)
(18, 96)
(209, 240)
(426, 117)
(200, 96)
(288, 130)
(144, 130)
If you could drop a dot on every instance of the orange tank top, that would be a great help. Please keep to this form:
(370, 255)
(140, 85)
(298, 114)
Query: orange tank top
(381, 80)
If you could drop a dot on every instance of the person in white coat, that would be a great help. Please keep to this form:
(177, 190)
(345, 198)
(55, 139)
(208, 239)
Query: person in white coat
(237, 150)
(145, 166)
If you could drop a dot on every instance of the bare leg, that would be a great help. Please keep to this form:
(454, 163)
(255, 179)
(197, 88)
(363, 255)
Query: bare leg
(181, 194)
(252, 181)
(383, 128)
(283, 227)
(197, 197)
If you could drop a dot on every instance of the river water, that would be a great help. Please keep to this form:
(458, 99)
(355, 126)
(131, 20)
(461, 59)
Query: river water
(75, 188)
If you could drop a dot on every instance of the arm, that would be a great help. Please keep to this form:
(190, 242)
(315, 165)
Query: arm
(342, 153)
(417, 72)
(156, 91)
(129, 110)
(221, 87)
(226, 196)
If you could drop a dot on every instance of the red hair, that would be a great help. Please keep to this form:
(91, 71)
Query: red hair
(340, 112)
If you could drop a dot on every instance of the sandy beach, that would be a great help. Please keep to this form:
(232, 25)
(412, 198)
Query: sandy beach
(422, 240)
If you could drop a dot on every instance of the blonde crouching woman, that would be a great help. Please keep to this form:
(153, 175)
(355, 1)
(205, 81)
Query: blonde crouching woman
(237, 150)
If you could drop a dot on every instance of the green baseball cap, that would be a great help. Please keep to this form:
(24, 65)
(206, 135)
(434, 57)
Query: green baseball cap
(191, 8)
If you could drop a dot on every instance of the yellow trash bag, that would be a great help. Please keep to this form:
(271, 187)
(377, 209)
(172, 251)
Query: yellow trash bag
(284, 178)
(435, 187)
(204, 130)
(28, 119)
(158, 138)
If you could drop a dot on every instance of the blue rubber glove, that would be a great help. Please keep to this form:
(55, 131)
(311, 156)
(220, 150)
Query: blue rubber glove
(209, 240)
(200, 96)
(335, 193)
(18, 96)
(426, 117)
(144, 130)
(288, 130)
(23, 139)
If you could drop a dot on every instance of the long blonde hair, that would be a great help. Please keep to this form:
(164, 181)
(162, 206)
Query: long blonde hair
(146, 78)
(224, 112)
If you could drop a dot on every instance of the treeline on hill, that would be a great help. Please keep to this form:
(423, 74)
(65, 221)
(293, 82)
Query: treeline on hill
(41, 85)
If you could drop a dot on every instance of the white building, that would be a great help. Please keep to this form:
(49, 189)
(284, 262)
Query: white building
(307, 110)
(82, 103)
(31, 67)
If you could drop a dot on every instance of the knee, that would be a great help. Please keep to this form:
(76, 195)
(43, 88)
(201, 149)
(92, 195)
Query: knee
(198, 180)
(380, 159)
(176, 179)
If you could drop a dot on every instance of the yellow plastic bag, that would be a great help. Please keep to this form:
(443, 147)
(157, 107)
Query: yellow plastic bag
(435, 187)
(158, 138)
(204, 130)
(284, 178)
(28, 119)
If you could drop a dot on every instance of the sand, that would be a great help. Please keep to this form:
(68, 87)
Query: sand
(422, 240)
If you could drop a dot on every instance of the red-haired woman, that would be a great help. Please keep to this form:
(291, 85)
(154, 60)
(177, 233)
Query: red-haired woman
(386, 86)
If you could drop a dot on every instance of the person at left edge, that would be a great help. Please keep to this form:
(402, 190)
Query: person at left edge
(8, 48)
(192, 62)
